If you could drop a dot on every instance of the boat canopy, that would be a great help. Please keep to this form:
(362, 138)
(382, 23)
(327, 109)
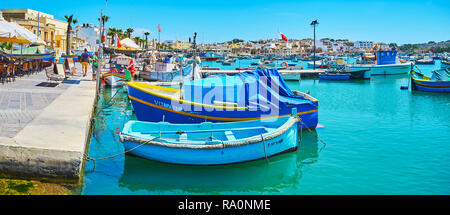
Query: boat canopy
(250, 88)
(386, 57)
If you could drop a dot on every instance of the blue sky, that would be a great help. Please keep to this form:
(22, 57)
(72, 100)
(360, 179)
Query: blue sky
(217, 21)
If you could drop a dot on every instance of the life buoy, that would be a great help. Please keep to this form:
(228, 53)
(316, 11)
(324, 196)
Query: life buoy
(284, 63)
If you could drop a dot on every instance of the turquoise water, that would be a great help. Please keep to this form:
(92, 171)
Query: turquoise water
(379, 140)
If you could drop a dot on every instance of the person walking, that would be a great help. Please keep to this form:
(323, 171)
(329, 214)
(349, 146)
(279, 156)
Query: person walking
(84, 61)
(94, 66)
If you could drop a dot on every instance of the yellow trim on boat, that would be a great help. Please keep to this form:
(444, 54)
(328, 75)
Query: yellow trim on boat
(415, 79)
(114, 74)
(212, 117)
(432, 86)
(145, 87)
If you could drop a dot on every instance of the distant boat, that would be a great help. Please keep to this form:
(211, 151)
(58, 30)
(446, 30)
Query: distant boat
(210, 143)
(438, 82)
(384, 63)
(209, 56)
(227, 62)
(311, 64)
(425, 61)
(445, 64)
(340, 66)
(334, 76)
(245, 68)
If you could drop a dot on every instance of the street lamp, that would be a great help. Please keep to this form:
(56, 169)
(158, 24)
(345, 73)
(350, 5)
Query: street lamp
(314, 23)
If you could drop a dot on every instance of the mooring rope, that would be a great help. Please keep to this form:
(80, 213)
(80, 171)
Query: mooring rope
(301, 127)
(109, 104)
(86, 157)
(265, 153)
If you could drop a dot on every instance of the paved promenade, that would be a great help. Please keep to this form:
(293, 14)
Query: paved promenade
(43, 130)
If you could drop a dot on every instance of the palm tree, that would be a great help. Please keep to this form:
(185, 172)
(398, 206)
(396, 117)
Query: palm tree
(70, 20)
(104, 19)
(143, 42)
(146, 41)
(129, 31)
(137, 40)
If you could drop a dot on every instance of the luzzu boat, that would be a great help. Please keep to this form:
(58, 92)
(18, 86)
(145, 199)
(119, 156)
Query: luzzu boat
(210, 143)
(384, 64)
(438, 82)
(250, 95)
(113, 78)
(445, 63)
(334, 76)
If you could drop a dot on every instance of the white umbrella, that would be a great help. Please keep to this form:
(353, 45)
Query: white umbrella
(14, 33)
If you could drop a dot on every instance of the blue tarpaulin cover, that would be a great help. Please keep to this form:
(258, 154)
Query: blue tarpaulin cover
(250, 88)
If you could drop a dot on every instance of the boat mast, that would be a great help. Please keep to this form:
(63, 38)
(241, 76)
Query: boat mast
(314, 23)
(195, 56)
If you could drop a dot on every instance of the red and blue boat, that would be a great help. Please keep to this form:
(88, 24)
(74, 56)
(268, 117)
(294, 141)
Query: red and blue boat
(251, 95)
(114, 78)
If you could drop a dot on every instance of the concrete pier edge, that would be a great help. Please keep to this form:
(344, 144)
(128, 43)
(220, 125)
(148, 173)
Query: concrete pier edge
(54, 143)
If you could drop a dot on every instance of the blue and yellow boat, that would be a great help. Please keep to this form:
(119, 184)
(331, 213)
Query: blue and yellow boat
(250, 95)
(438, 82)
(210, 143)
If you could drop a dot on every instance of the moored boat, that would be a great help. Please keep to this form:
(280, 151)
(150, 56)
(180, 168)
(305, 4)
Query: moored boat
(438, 82)
(210, 143)
(114, 78)
(425, 61)
(245, 96)
(385, 63)
(317, 64)
(445, 64)
(209, 56)
(334, 76)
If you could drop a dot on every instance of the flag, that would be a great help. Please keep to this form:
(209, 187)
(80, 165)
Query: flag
(159, 28)
(283, 37)
(131, 67)
(118, 43)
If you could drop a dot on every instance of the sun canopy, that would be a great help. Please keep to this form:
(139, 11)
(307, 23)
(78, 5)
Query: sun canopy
(128, 43)
(14, 33)
(245, 89)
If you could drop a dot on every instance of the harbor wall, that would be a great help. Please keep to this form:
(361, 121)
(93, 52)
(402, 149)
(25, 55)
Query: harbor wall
(53, 144)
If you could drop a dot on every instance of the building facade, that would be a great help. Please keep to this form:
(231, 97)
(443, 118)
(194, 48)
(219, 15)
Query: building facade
(363, 44)
(44, 25)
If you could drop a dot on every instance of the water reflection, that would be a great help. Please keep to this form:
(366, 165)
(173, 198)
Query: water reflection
(252, 177)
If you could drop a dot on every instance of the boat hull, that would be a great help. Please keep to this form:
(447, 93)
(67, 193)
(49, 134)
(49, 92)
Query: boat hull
(393, 69)
(221, 153)
(445, 65)
(328, 76)
(154, 108)
(290, 77)
(430, 86)
(113, 79)
(210, 59)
